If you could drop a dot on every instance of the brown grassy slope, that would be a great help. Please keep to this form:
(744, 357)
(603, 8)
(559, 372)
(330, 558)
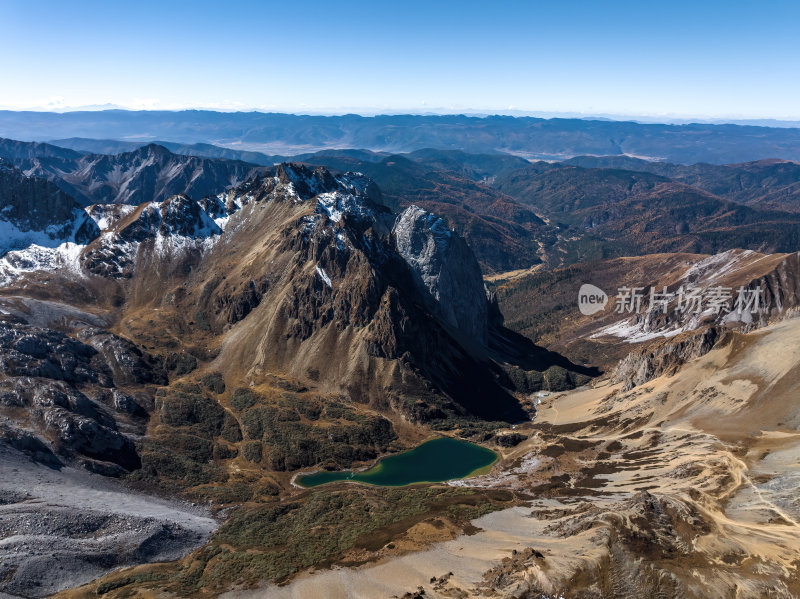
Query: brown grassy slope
(543, 305)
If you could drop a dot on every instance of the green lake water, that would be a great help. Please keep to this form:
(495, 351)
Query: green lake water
(432, 462)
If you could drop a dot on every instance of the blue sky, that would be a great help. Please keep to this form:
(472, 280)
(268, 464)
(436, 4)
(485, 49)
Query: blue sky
(694, 59)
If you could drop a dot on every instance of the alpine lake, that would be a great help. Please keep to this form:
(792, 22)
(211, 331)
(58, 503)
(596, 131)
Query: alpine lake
(434, 461)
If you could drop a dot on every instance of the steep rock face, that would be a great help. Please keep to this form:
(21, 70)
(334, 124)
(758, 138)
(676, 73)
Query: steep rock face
(773, 279)
(33, 210)
(780, 288)
(445, 270)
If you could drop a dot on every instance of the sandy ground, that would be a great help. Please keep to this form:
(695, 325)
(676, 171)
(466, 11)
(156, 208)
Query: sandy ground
(468, 557)
(62, 528)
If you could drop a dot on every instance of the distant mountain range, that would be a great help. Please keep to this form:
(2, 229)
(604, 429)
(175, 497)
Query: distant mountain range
(85, 145)
(513, 213)
(524, 136)
(148, 173)
(766, 183)
(611, 212)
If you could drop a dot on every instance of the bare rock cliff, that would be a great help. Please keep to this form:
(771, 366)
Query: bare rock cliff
(445, 270)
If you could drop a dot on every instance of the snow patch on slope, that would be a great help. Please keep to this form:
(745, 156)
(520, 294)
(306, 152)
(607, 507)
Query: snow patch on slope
(709, 271)
(636, 332)
(324, 276)
(17, 263)
(107, 215)
(336, 204)
(16, 236)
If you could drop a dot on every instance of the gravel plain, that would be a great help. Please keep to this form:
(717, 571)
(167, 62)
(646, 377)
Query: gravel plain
(61, 528)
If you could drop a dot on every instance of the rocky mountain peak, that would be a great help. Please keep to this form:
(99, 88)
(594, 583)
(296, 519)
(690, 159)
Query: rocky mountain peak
(152, 150)
(349, 195)
(179, 215)
(307, 182)
(445, 269)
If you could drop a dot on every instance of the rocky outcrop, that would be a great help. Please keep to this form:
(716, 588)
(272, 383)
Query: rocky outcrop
(27, 351)
(664, 357)
(68, 423)
(167, 229)
(59, 395)
(178, 216)
(445, 271)
(127, 363)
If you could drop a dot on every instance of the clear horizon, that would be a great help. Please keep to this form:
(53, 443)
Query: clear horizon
(715, 62)
(367, 112)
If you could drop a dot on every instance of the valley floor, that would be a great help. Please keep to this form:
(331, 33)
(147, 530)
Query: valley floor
(683, 487)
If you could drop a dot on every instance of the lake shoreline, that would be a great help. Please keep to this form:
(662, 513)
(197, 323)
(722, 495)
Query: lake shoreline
(434, 459)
